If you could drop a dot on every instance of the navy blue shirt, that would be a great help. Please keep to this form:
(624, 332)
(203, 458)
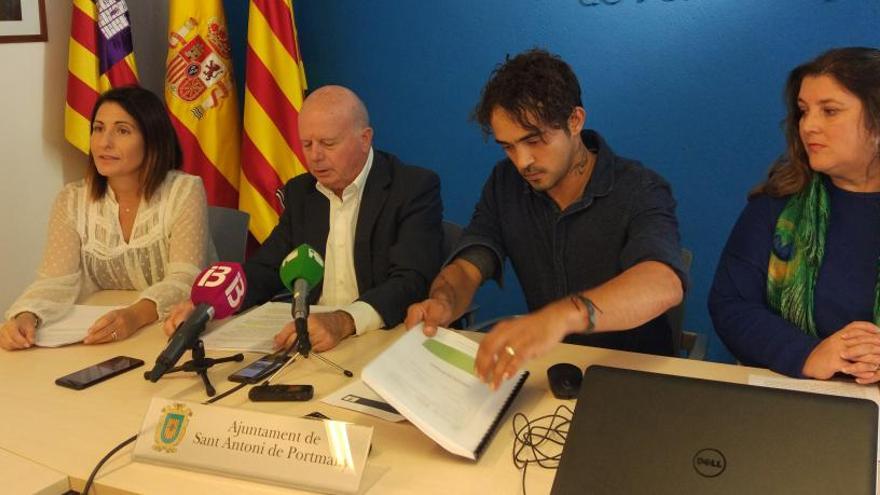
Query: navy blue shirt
(625, 216)
(753, 332)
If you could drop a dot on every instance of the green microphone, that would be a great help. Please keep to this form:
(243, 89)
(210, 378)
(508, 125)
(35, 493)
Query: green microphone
(300, 272)
(302, 263)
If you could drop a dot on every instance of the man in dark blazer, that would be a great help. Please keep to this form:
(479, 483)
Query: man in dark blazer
(374, 220)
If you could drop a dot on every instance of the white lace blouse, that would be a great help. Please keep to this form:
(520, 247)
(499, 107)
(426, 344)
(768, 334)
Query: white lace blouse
(86, 252)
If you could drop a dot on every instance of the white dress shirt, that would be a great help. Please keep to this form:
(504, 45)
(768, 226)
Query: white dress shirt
(340, 281)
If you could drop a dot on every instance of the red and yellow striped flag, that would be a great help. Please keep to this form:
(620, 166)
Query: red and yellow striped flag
(201, 98)
(271, 150)
(100, 56)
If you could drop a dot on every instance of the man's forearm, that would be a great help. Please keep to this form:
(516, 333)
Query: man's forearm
(456, 285)
(636, 296)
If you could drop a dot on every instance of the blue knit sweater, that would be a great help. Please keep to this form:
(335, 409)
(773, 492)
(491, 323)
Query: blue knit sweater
(753, 332)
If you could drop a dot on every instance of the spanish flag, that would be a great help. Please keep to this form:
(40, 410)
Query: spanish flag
(100, 57)
(201, 97)
(275, 81)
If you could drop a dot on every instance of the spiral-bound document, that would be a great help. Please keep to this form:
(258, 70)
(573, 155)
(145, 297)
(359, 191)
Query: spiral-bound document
(431, 382)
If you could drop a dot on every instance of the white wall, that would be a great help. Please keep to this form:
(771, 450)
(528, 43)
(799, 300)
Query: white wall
(34, 157)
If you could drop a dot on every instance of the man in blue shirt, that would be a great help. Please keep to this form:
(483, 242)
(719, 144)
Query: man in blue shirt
(592, 236)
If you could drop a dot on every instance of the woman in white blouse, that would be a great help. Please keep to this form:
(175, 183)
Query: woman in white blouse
(134, 223)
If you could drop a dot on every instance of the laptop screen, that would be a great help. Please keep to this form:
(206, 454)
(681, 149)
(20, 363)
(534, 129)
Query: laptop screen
(637, 432)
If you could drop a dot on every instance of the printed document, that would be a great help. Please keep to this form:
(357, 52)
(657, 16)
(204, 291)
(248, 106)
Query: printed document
(253, 331)
(431, 382)
(357, 396)
(73, 327)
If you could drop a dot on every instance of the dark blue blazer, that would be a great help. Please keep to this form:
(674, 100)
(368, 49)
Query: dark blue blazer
(398, 237)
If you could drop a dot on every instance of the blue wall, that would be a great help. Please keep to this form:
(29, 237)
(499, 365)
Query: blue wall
(692, 88)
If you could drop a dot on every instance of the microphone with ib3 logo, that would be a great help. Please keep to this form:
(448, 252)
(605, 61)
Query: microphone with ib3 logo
(217, 293)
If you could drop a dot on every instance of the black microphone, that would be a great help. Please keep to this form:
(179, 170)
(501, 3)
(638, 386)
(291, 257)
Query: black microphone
(217, 293)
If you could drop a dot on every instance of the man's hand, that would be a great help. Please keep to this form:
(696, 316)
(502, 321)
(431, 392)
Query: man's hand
(178, 314)
(326, 331)
(513, 342)
(19, 332)
(433, 312)
(832, 354)
(450, 294)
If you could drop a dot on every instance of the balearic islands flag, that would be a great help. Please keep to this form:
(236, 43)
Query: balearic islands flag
(201, 98)
(100, 57)
(275, 81)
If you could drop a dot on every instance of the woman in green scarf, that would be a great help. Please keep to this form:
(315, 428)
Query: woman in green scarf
(796, 289)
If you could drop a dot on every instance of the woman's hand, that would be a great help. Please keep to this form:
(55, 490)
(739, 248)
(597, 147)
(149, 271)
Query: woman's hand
(121, 323)
(863, 351)
(19, 332)
(843, 351)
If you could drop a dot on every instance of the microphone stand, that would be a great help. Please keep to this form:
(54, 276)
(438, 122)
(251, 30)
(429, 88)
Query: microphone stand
(200, 365)
(303, 345)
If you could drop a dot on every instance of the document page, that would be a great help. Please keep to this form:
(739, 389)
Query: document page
(431, 382)
(73, 327)
(253, 331)
(357, 396)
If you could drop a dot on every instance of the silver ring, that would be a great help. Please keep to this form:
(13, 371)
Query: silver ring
(114, 335)
(510, 351)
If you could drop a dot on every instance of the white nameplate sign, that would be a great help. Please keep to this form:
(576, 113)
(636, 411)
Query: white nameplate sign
(320, 455)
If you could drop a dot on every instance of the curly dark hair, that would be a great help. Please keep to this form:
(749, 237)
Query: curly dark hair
(535, 87)
(855, 68)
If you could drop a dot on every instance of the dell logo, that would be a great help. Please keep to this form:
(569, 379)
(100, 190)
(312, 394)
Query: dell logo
(709, 463)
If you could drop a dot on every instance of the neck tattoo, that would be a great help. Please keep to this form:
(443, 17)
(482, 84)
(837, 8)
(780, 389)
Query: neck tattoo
(581, 168)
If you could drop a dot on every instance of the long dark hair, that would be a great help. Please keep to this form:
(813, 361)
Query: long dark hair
(855, 68)
(162, 150)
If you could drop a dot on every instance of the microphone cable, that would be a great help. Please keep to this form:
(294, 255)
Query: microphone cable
(128, 441)
(282, 354)
(540, 441)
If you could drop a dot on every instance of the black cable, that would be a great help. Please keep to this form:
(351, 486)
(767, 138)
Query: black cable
(536, 442)
(225, 394)
(119, 447)
(103, 460)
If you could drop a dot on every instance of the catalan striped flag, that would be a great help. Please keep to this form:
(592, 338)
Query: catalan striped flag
(201, 98)
(271, 150)
(100, 56)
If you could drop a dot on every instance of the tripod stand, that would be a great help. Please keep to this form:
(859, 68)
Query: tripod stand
(200, 365)
(303, 347)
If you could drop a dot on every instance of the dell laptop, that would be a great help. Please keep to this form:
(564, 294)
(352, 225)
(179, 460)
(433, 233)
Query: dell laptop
(635, 432)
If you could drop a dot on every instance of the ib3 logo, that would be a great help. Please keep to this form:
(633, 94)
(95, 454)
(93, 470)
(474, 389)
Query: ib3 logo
(709, 463)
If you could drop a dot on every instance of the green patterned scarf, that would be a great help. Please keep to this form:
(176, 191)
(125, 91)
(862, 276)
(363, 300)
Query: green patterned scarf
(796, 255)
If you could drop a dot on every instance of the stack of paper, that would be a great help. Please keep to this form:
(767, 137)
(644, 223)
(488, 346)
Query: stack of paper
(73, 327)
(255, 330)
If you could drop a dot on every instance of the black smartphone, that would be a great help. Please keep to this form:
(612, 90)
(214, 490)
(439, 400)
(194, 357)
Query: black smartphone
(277, 393)
(87, 377)
(257, 370)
